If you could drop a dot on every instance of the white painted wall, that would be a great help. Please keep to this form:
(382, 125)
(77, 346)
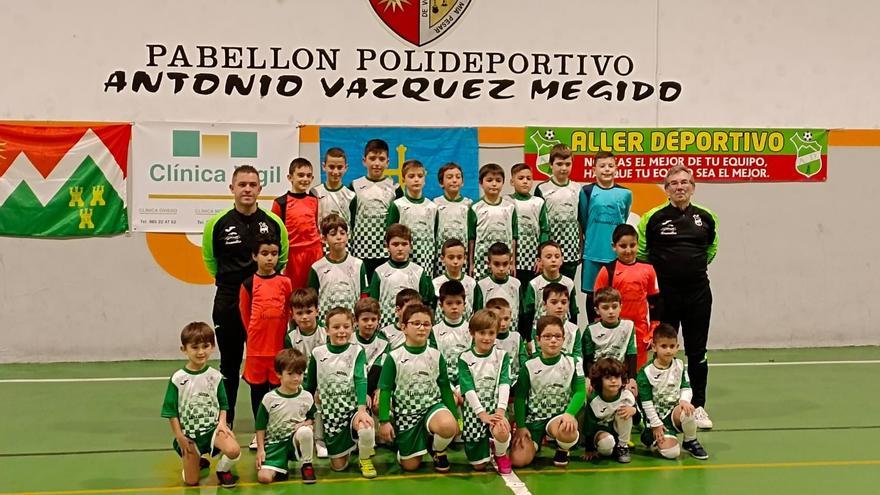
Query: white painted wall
(796, 262)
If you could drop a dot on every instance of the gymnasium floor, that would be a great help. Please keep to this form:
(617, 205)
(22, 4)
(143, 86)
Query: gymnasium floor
(785, 423)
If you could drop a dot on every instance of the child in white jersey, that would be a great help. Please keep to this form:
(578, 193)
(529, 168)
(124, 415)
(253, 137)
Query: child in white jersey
(398, 273)
(452, 210)
(451, 332)
(195, 405)
(333, 196)
(499, 283)
(393, 332)
(453, 255)
(284, 423)
(484, 377)
(418, 213)
(610, 410)
(339, 278)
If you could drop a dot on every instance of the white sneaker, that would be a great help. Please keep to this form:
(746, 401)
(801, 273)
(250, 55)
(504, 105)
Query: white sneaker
(321, 450)
(702, 417)
(253, 445)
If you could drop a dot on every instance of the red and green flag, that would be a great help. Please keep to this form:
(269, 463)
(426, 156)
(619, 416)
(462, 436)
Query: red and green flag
(63, 180)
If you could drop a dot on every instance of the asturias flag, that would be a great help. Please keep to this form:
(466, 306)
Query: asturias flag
(63, 180)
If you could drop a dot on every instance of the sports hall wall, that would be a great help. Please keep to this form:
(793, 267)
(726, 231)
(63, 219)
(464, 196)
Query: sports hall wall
(796, 263)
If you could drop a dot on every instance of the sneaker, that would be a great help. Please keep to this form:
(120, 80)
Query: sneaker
(695, 450)
(204, 464)
(503, 465)
(621, 452)
(561, 458)
(367, 468)
(308, 473)
(281, 476)
(226, 479)
(253, 444)
(702, 417)
(321, 450)
(441, 462)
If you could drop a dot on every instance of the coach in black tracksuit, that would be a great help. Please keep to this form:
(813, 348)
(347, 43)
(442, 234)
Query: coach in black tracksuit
(680, 239)
(227, 248)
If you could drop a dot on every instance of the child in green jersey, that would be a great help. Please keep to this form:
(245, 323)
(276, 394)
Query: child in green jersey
(337, 372)
(418, 213)
(561, 198)
(491, 219)
(550, 257)
(665, 396)
(339, 277)
(195, 405)
(531, 219)
(452, 210)
(398, 273)
(550, 393)
(415, 381)
(556, 299)
(284, 423)
(452, 256)
(510, 342)
(484, 375)
(499, 283)
(374, 344)
(610, 411)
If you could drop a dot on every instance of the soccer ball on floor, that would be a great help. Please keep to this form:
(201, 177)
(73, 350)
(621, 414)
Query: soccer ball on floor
(549, 135)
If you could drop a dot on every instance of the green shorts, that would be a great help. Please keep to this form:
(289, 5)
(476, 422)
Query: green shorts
(413, 442)
(341, 443)
(538, 431)
(478, 452)
(204, 443)
(669, 430)
(278, 454)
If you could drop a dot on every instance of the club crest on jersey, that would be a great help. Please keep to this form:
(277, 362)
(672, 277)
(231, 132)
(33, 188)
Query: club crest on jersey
(264, 228)
(697, 220)
(419, 22)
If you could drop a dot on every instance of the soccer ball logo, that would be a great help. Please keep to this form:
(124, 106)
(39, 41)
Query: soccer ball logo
(549, 135)
(808, 136)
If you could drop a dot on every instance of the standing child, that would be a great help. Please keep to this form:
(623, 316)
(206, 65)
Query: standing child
(418, 213)
(549, 394)
(611, 336)
(373, 196)
(415, 388)
(195, 405)
(265, 313)
(484, 374)
(452, 210)
(453, 255)
(556, 303)
(393, 332)
(533, 302)
(637, 283)
(333, 197)
(531, 218)
(665, 395)
(602, 206)
(561, 200)
(491, 219)
(510, 342)
(339, 278)
(284, 423)
(499, 283)
(610, 410)
(451, 332)
(398, 273)
(299, 211)
(337, 371)
(374, 344)
(307, 333)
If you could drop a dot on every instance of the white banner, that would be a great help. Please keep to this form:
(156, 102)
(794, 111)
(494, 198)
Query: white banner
(181, 171)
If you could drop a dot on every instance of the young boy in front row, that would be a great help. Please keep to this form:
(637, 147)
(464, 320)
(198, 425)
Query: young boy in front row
(398, 273)
(610, 410)
(339, 278)
(337, 371)
(415, 381)
(665, 395)
(393, 332)
(484, 375)
(298, 211)
(452, 210)
(550, 256)
(611, 336)
(491, 219)
(195, 405)
(453, 255)
(499, 283)
(284, 423)
(549, 394)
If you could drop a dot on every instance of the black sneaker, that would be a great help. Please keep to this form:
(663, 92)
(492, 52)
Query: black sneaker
(204, 464)
(281, 476)
(441, 462)
(561, 458)
(695, 449)
(308, 473)
(226, 479)
(621, 453)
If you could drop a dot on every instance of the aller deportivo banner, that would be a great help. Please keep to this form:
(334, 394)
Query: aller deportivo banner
(63, 180)
(715, 155)
(182, 171)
